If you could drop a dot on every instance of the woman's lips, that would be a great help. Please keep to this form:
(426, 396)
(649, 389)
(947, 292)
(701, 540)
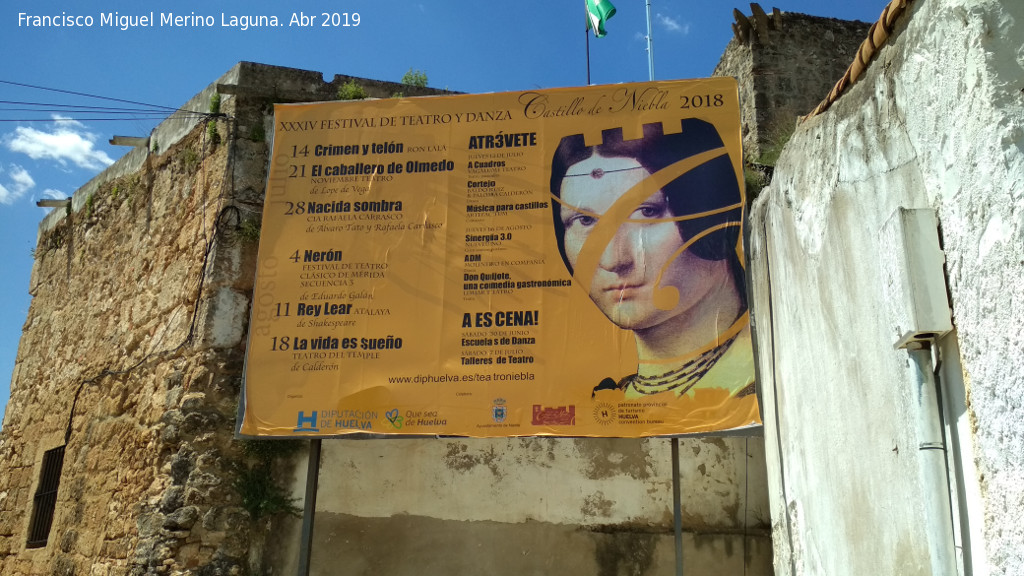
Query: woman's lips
(623, 288)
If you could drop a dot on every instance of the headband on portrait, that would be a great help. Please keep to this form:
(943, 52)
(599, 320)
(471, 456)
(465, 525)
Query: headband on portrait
(711, 189)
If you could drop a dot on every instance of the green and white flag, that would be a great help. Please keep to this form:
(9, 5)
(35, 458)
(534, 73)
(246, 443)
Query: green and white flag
(598, 12)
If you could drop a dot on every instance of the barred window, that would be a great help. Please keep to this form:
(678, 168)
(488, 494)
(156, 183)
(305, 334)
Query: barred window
(46, 498)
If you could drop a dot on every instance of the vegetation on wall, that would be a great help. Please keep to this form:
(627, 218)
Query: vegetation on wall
(758, 174)
(211, 125)
(257, 133)
(189, 159)
(127, 187)
(211, 132)
(416, 78)
(777, 139)
(249, 230)
(262, 494)
(55, 239)
(351, 91)
(755, 181)
(105, 198)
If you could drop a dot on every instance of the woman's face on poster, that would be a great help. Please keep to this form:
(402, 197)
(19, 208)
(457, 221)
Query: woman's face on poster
(646, 247)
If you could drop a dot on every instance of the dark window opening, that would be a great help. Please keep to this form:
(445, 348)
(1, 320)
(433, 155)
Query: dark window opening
(46, 498)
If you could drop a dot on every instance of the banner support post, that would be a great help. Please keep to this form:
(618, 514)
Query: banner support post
(677, 507)
(309, 507)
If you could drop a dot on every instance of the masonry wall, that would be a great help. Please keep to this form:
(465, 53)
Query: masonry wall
(785, 66)
(119, 332)
(936, 122)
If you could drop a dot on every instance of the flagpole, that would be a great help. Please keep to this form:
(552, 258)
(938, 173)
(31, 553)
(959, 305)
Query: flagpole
(586, 32)
(650, 43)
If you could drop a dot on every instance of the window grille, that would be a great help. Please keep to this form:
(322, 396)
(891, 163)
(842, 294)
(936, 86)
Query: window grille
(46, 498)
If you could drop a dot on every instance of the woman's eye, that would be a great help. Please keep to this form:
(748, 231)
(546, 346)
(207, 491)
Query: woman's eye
(571, 219)
(583, 220)
(650, 211)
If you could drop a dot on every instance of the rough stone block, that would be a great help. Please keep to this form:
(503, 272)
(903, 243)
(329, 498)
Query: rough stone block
(172, 499)
(182, 519)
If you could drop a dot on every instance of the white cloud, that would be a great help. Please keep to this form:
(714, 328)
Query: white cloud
(22, 179)
(68, 121)
(67, 141)
(19, 181)
(673, 25)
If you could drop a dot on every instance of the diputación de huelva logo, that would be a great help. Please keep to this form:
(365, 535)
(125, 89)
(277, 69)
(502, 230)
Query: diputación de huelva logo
(345, 419)
(306, 423)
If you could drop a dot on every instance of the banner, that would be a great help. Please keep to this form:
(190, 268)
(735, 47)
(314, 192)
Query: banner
(549, 262)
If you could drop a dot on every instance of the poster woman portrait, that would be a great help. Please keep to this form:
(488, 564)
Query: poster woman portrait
(649, 227)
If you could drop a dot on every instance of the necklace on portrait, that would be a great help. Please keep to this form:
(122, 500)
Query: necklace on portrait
(680, 380)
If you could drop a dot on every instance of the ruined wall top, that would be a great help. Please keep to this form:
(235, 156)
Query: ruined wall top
(250, 79)
(785, 63)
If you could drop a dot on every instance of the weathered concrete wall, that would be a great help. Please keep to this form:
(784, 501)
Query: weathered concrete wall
(936, 122)
(540, 506)
(784, 69)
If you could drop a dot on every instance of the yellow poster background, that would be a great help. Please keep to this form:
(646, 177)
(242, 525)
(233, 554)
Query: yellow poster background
(410, 281)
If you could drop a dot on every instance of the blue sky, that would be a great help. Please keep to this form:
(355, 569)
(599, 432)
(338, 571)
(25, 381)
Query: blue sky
(465, 45)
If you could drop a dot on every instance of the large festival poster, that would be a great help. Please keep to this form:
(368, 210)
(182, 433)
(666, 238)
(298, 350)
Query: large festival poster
(549, 262)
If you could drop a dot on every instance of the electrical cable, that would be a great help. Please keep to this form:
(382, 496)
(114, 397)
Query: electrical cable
(73, 93)
(46, 107)
(148, 111)
(121, 119)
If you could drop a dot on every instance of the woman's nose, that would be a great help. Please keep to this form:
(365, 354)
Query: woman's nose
(621, 254)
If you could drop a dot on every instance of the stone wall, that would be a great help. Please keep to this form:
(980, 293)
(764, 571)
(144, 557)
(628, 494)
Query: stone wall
(137, 325)
(785, 65)
(936, 122)
(116, 333)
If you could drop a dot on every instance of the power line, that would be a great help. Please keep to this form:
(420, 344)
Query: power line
(153, 116)
(73, 93)
(55, 107)
(102, 113)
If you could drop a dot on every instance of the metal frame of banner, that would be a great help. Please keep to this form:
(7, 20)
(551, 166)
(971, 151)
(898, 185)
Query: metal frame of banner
(677, 507)
(309, 506)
